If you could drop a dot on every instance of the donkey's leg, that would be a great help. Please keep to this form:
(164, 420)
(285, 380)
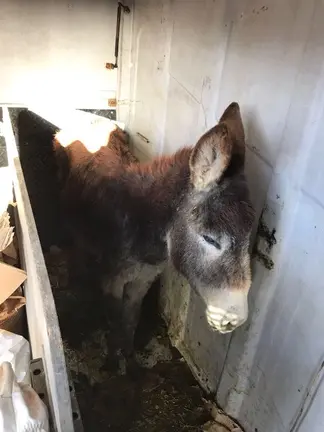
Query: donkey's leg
(133, 297)
(79, 269)
(134, 293)
(113, 289)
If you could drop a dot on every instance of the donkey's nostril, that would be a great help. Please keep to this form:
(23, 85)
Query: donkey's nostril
(222, 320)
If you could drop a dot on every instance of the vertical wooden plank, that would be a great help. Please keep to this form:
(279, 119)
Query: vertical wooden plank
(44, 331)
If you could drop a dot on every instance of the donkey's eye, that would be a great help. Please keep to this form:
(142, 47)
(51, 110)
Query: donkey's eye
(212, 241)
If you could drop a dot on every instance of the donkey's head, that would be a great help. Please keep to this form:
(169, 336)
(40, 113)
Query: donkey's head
(209, 239)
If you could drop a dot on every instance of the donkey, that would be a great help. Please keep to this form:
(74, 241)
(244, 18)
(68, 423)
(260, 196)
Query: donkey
(191, 209)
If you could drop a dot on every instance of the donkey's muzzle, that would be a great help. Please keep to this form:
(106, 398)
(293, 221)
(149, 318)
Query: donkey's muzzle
(228, 311)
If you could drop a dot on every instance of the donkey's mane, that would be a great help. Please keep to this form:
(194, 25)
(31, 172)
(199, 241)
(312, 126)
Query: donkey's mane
(160, 165)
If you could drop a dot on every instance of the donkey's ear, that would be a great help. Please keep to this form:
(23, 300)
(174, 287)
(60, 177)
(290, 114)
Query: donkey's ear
(233, 120)
(211, 156)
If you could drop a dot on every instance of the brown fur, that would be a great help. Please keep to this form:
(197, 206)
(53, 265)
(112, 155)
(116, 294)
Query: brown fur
(76, 155)
(192, 207)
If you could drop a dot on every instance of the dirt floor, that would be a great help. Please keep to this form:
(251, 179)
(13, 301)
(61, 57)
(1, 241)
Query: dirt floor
(159, 395)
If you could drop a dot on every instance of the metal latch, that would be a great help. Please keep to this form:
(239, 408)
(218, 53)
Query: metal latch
(126, 10)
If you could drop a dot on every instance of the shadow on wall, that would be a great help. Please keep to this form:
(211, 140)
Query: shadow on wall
(259, 173)
(35, 137)
(258, 170)
(244, 345)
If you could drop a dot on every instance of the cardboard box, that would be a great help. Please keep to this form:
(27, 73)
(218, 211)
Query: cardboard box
(11, 277)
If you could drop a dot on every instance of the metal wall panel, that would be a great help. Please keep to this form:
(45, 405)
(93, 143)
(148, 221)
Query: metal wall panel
(189, 60)
(55, 51)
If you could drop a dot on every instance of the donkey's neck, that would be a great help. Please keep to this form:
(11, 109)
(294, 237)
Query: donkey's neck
(162, 183)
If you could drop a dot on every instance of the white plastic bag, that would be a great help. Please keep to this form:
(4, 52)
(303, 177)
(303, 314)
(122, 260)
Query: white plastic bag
(21, 409)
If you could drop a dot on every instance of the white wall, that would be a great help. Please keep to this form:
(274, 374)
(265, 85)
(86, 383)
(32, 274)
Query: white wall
(189, 59)
(57, 50)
